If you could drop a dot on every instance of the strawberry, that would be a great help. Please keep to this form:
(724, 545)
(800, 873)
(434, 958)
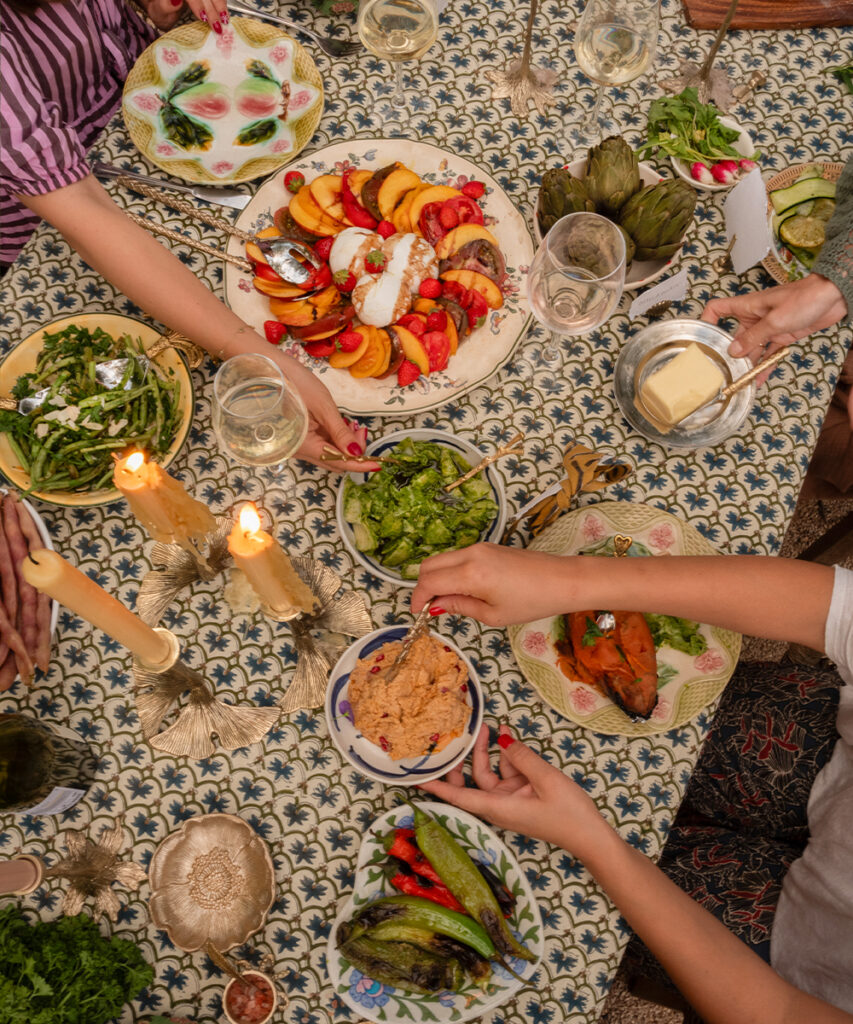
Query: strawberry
(407, 373)
(348, 341)
(374, 261)
(413, 323)
(473, 189)
(477, 310)
(324, 247)
(448, 218)
(345, 280)
(437, 320)
(430, 288)
(293, 181)
(386, 229)
(274, 331)
(320, 349)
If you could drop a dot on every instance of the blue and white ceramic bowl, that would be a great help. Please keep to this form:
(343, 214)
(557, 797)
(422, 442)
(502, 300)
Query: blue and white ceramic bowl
(367, 757)
(387, 1004)
(385, 446)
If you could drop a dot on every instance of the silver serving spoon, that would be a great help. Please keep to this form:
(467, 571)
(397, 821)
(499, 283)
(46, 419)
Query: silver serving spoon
(109, 374)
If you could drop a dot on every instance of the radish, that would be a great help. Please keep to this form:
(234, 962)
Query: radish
(699, 172)
(724, 172)
(747, 165)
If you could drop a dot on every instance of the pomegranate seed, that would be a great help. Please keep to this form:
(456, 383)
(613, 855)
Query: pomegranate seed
(383, 743)
(375, 669)
(384, 714)
(443, 689)
(447, 648)
(434, 738)
(379, 657)
(464, 687)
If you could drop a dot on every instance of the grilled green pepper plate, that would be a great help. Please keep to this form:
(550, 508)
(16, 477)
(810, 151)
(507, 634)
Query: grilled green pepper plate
(402, 513)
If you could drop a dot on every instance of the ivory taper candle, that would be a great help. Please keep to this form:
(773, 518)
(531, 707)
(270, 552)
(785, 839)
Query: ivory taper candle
(52, 575)
(160, 502)
(265, 564)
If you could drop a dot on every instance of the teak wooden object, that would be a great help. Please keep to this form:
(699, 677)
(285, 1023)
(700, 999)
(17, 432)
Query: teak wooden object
(770, 13)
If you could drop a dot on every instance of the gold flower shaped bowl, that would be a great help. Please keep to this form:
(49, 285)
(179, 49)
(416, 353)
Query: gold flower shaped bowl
(211, 881)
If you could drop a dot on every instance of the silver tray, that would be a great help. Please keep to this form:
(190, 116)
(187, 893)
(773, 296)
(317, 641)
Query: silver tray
(652, 349)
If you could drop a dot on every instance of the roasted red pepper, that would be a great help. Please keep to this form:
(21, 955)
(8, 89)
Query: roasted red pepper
(411, 885)
(353, 210)
(400, 844)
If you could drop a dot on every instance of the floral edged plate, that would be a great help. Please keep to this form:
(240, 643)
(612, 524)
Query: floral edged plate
(220, 109)
(480, 355)
(385, 1004)
(780, 263)
(686, 684)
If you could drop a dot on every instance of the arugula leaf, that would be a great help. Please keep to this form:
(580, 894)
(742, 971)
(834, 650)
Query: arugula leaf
(592, 633)
(679, 634)
(689, 130)
(843, 74)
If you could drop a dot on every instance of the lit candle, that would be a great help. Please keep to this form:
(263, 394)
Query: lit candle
(160, 502)
(266, 566)
(52, 575)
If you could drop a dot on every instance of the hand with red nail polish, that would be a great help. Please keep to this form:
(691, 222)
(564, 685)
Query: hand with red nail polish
(355, 449)
(164, 13)
(528, 795)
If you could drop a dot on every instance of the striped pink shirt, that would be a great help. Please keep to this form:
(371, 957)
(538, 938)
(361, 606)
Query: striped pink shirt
(62, 69)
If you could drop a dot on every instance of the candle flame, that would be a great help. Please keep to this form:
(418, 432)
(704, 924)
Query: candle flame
(134, 461)
(250, 521)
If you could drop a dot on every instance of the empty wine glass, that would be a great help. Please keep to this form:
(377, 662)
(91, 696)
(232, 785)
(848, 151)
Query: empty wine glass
(259, 418)
(397, 30)
(576, 278)
(615, 42)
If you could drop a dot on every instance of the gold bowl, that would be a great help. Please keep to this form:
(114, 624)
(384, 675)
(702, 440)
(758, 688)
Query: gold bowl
(211, 881)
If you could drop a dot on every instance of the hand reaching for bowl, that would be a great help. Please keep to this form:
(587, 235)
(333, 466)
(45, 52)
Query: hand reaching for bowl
(212, 12)
(770, 319)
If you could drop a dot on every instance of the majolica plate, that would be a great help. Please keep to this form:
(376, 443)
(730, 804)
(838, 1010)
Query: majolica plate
(686, 684)
(386, 1004)
(223, 108)
(22, 359)
(481, 354)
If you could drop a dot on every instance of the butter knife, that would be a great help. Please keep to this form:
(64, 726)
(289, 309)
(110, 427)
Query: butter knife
(220, 196)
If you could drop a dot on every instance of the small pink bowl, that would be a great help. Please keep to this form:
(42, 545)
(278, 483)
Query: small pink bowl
(263, 982)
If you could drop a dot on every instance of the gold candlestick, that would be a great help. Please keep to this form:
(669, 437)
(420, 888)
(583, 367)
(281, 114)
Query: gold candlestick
(521, 82)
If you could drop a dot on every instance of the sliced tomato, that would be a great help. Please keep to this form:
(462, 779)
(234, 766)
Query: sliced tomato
(321, 278)
(477, 309)
(465, 209)
(319, 349)
(429, 223)
(413, 322)
(265, 271)
(437, 346)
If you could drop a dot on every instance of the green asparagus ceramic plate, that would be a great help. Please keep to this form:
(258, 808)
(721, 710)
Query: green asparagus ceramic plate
(686, 684)
(386, 1004)
(22, 359)
(220, 109)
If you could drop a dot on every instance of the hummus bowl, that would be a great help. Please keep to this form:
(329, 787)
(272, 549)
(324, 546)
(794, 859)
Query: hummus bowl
(369, 758)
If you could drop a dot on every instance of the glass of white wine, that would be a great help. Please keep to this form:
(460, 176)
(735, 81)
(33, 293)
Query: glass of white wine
(576, 278)
(397, 30)
(615, 42)
(259, 419)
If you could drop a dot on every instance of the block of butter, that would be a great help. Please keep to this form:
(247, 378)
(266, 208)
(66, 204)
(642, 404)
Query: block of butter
(680, 387)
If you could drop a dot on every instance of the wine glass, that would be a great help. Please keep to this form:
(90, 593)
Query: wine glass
(259, 419)
(615, 43)
(397, 30)
(576, 278)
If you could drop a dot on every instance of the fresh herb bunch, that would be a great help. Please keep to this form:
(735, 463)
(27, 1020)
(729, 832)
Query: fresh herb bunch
(402, 514)
(67, 443)
(65, 972)
(679, 634)
(843, 74)
(689, 130)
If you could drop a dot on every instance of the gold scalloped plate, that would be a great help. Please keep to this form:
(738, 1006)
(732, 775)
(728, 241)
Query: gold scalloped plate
(211, 881)
(687, 684)
(780, 269)
(242, 40)
(22, 359)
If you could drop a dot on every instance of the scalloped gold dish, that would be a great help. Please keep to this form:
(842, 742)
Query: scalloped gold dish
(211, 881)
(221, 109)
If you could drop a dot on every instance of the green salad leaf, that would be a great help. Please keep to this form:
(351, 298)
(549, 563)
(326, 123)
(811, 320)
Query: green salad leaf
(402, 514)
(64, 971)
(679, 634)
(689, 130)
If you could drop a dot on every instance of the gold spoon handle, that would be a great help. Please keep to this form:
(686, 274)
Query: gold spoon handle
(750, 375)
(512, 447)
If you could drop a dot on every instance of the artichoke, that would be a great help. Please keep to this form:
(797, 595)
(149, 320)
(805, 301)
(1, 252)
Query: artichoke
(629, 246)
(657, 216)
(559, 195)
(612, 175)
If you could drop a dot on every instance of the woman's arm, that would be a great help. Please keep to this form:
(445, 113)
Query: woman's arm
(158, 282)
(721, 977)
(778, 598)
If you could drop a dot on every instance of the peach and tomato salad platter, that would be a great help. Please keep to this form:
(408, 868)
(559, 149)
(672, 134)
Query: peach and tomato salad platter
(407, 270)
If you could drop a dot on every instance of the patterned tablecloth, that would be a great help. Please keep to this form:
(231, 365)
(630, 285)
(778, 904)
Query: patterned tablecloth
(294, 789)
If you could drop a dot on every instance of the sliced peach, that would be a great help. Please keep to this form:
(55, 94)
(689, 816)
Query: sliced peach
(400, 217)
(308, 215)
(277, 289)
(294, 314)
(320, 335)
(479, 282)
(425, 306)
(326, 193)
(340, 360)
(393, 188)
(452, 334)
(253, 252)
(375, 357)
(357, 181)
(460, 236)
(434, 194)
(324, 300)
(412, 348)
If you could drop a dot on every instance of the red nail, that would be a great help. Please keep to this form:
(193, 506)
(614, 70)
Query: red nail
(203, 16)
(224, 17)
(435, 610)
(217, 28)
(354, 449)
(177, 3)
(505, 741)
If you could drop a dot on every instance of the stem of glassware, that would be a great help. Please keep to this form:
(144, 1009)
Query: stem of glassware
(590, 128)
(551, 352)
(399, 98)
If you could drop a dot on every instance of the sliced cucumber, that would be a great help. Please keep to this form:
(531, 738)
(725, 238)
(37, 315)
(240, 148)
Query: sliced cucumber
(810, 188)
(363, 537)
(803, 232)
(823, 209)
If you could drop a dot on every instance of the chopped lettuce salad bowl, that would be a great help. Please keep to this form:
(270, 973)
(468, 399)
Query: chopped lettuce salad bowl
(391, 520)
